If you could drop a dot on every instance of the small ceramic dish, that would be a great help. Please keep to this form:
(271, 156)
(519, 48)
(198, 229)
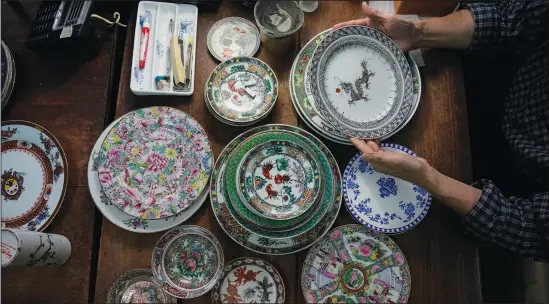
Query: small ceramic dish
(138, 286)
(233, 37)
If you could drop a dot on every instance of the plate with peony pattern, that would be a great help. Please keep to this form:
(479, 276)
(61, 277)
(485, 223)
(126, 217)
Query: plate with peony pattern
(188, 261)
(279, 180)
(353, 264)
(381, 202)
(249, 280)
(34, 176)
(156, 162)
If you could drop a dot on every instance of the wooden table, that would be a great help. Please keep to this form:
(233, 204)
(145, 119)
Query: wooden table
(444, 265)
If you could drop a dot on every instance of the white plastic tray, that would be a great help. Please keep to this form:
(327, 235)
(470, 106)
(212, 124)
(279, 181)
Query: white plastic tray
(143, 81)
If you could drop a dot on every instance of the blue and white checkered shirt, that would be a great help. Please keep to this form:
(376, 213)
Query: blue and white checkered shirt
(518, 224)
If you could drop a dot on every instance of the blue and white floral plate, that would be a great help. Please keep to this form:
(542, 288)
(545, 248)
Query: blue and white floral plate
(382, 202)
(117, 216)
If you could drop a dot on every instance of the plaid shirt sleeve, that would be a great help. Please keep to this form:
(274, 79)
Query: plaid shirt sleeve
(520, 225)
(507, 23)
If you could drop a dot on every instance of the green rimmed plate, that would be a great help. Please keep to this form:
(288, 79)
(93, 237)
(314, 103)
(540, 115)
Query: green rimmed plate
(242, 90)
(279, 180)
(254, 241)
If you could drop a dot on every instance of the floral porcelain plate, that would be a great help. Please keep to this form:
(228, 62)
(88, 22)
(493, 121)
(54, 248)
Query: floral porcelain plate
(353, 264)
(242, 90)
(117, 216)
(188, 261)
(155, 162)
(34, 176)
(231, 183)
(361, 82)
(287, 244)
(233, 37)
(382, 202)
(249, 280)
(279, 180)
(304, 102)
(138, 286)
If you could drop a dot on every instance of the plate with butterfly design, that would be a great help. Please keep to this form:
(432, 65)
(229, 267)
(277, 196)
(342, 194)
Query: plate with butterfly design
(382, 202)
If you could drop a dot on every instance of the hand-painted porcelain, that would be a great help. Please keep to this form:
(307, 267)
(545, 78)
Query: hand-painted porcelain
(249, 280)
(382, 202)
(34, 176)
(8, 73)
(361, 81)
(138, 286)
(355, 265)
(279, 180)
(260, 243)
(155, 162)
(304, 101)
(242, 90)
(33, 249)
(188, 261)
(233, 37)
(231, 183)
(120, 218)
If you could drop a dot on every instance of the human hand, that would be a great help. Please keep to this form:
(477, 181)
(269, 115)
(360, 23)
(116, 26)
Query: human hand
(410, 168)
(404, 33)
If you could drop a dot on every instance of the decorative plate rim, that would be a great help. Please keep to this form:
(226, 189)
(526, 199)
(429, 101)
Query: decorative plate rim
(216, 25)
(357, 217)
(128, 275)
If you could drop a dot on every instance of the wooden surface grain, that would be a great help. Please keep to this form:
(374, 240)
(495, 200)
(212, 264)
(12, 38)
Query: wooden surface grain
(444, 265)
(64, 93)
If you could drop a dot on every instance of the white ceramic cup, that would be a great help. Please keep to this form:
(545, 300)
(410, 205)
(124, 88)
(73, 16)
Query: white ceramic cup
(308, 6)
(33, 249)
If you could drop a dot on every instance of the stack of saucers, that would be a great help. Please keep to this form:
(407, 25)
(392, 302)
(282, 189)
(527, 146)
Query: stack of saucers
(149, 170)
(187, 261)
(276, 189)
(8, 73)
(361, 94)
(241, 91)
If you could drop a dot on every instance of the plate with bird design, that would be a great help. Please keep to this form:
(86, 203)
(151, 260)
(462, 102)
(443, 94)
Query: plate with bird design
(249, 280)
(382, 202)
(279, 180)
(361, 82)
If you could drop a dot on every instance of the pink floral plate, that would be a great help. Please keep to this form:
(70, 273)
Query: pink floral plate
(155, 162)
(353, 264)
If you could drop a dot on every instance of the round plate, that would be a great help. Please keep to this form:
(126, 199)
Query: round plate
(304, 102)
(155, 162)
(188, 261)
(355, 265)
(138, 286)
(279, 180)
(8, 74)
(231, 182)
(361, 81)
(382, 202)
(34, 176)
(257, 242)
(249, 280)
(117, 216)
(4, 65)
(233, 37)
(242, 90)
(307, 222)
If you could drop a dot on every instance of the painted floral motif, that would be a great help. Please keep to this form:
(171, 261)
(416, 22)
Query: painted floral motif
(387, 186)
(8, 133)
(44, 253)
(53, 152)
(34, 223)
(242, 89)
(138, 286)
(154, 163)
(249, 280)
(280, 179)
(355, 265)
(12, 184)
(233, 37)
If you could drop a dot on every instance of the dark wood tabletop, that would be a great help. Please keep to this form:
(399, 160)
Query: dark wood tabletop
(443, 264)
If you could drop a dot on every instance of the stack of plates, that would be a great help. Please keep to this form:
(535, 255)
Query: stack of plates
(149, 169)
(353, 264)
(34, 176)
(355, 82)
(241, 91)
(8, 73)
(276, 189)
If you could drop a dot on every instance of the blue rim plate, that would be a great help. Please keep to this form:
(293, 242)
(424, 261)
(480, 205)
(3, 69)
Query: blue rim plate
(382, 202)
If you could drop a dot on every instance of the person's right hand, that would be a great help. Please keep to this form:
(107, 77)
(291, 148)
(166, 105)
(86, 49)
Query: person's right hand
(404, 33)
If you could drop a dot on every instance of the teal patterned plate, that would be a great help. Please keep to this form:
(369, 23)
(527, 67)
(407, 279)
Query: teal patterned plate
(279, 180)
